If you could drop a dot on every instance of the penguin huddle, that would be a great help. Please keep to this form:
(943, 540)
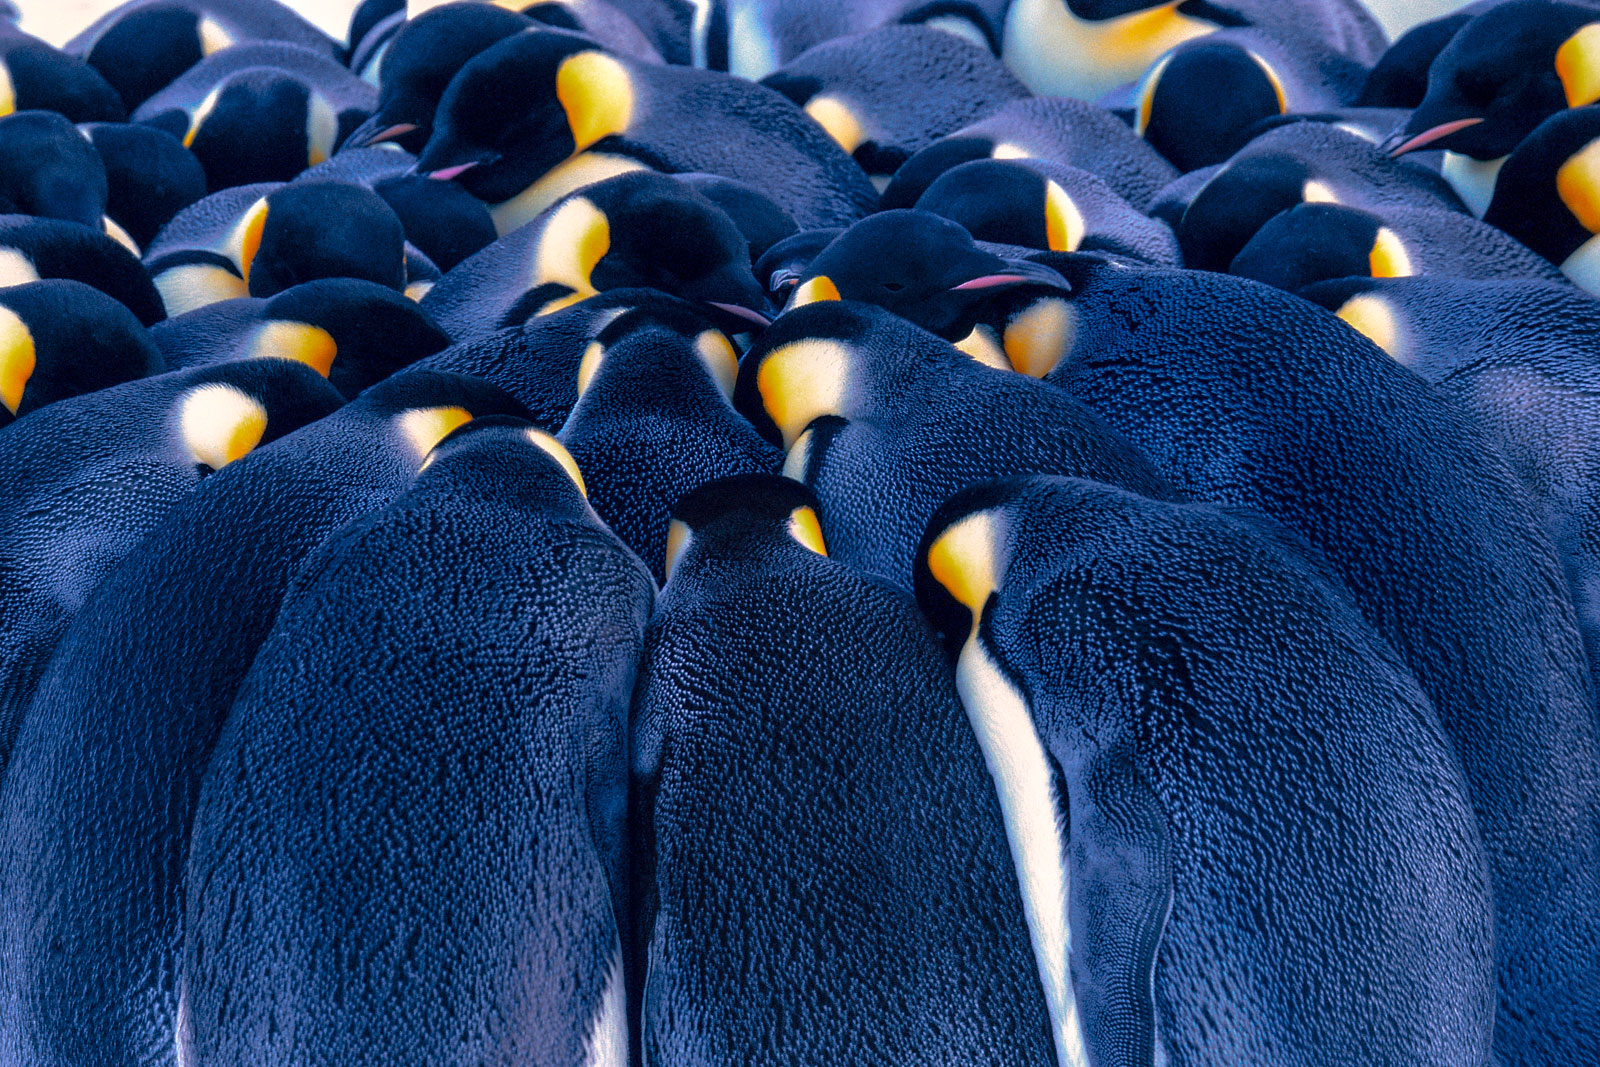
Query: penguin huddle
(702, 532)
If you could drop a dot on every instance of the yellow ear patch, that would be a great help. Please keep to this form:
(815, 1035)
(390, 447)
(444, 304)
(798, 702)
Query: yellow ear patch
(804, 528)
(17, 358)
(322, 129)
(195, 285)
(678, 537)
(965, 559)
(8, 92)
(244, 239)
(426, 427)
(1007, 150)
(838, 120)
(198, 117)
(220, 424)
(1147, 95)
(1063, 222)
(982, 346)
(1578, 66)
(119, 235)
(798, 457)
(1373, 318)
(574, 240)
(1316, 192)
(597, 95)
(213, 37)
(1037, 338)
(1277, 83)
(721, 361)
(299, 341)
(813, 290)
(589, 365)
(1388, 258)
(585, 168)
(16, 269)
(1578, 184)
(802, 381)
(558, 452)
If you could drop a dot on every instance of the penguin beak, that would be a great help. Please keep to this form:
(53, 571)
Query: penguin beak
(362, 139)
(444, 174)
(750, 315)
(1430, 135)
(1016, 272)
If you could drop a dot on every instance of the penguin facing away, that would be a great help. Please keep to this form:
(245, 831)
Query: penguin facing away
(34, 249)
(150, 176)
(1547, 193)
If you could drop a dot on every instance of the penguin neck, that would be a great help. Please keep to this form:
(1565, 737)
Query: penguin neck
(1021, 771)
(1472, 179)
(1113, 52)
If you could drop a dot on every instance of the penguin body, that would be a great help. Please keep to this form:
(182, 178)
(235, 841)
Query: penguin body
(260, 112)
(762, 222)
(109, 759)
(861, 402)
(1060, 130)
(1545, 194)
(37, 77)
(513, 920)
(820, 835)
(32, 249)
(641, 230)
(60, 338)
(352, 332)
(143, 46)
(1317, 242)
(48, 170)
(1114, 647)
(150, 176)
(88, 478)
(654, 421)
(1088, 48)
(1243, 396)
(1048, 206)
(1304, 162)
(540, 114)
(1199, 103)
(891, 92)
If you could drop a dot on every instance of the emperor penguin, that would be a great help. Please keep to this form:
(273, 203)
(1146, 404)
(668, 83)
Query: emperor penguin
(1183, 880)
(818, 838)
(429, 846)
(34, 249)
(1547, 194)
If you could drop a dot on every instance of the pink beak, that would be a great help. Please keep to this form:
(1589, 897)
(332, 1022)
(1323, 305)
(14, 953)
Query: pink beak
(448, 173)
(753, 317)
(992, 281)
(399, 129)
(1427, 137)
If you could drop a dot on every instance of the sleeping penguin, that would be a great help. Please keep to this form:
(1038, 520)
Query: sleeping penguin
(633, 231)
(32, 249)
(96, 806)
(819, 841)
(1244, 396)
(1222, 788)
(1088, 48)
(60, 339)
(49, 170)
(37, 77)
(541, 114)
(654, 421)
(352, 332)
(1547, 195)
(429, 845)
(864, 405)
(150, 176)
(86, 479)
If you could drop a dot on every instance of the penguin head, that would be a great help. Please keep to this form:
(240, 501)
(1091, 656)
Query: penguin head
(1237, 201)
(1100, 10)
(762, 221)
(1548, 193)
(921, 267)
(663, 345)
(1316, 242)
(352, 332)
(963, 561)
(519, 463)
(523, 106)
(920, 171)
(744, 519)
(422, 58)
(1007, 203)
(48, 168)
(1362, 305)
(34, 76)
(228, 410)
(150, 176)
(320, 229)
(444, 221)
(645, 231)
(418, 408)
(61, 338)
(1502, 74)
(1198, 103)
(1400, 77)
(146, 49)
(367, 17)
(259, 124)
(780, 268)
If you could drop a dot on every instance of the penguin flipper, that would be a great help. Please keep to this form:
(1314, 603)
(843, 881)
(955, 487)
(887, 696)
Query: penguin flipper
(1121, 897)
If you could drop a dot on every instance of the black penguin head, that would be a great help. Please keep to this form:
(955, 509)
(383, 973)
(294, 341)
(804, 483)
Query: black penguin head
(659, 346)
(353, 332)
(762, 222)
(1198, 102)
(1007, 203)
(920, 171)
(1502, 74)
(1237, 201)
(1316, 242)
(441, 219)
(744, 518)
(424, 55)
(419, 408)
(311, 230)
(1400, 78)
(780, 268)
(48, 168)
(227, 410)
(646, 230)
(150, 176)
(260, 124)
(34, 76)
(61, 338)
(1097, 10)
(514, 459)
(1548, 193)
(919, 266)
(962, 561)
(523, 106)
(146, 49)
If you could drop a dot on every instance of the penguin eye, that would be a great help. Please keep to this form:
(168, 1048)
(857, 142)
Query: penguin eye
(894, 287)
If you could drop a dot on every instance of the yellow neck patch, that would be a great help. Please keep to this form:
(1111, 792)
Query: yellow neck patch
(589, 365)
(1388, 258)
(16, 269)
(842, 124)
(299, 341)
(1056, 53)
(597, 95)
(18, 358)
(198, 117)
(802, 381)
(1063, 222)
(813, 290)
(583, 169)
(119, 235)
(213, 36)
(1578, 66)
(574, 240)
(1147, 95)
(982, 346)
(426, 427)
(804, 528)
(195, 285)
(1277, 83)
(966, 558)
(1316, 192)
(1373, 318)
(1037, 338)
(322, 129)
(8, 92)
(558, 452)
(220, 423)
(243, 241)
(720, 360)
(1578, 185)
(678, 537)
